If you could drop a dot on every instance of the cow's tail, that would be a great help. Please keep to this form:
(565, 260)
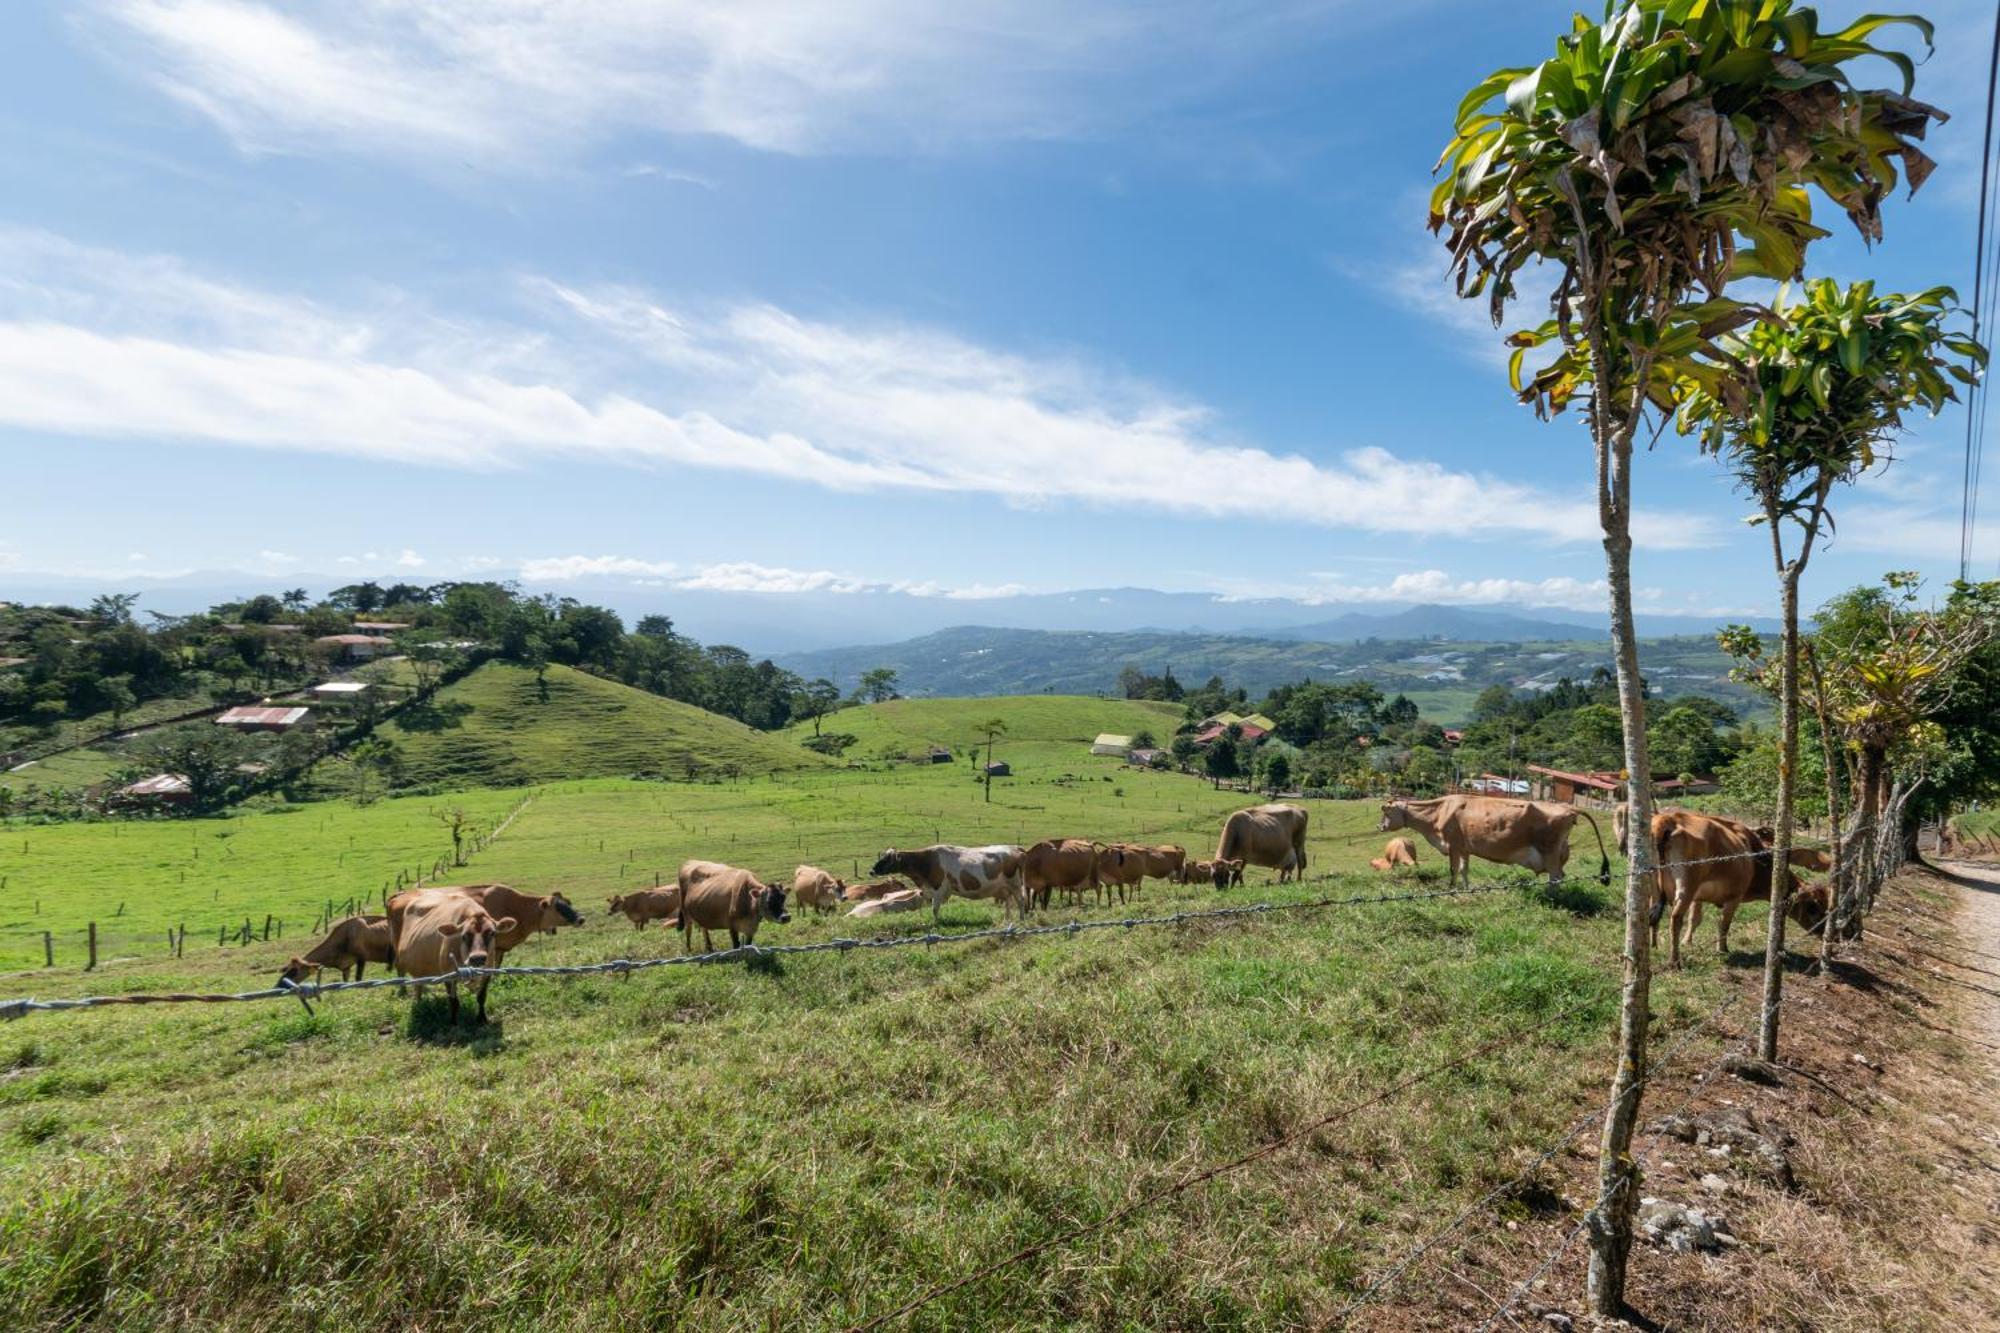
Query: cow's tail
(1603, 857)
(1659, 875)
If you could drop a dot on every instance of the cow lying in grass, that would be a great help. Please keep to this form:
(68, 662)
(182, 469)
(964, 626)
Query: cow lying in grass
(353, 942)
(1398, 852)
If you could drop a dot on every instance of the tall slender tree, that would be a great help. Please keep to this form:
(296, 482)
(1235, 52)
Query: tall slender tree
(1796, 406)
(1658, 155)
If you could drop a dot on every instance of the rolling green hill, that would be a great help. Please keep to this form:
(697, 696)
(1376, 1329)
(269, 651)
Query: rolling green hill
(495, 729)
(1041, 721)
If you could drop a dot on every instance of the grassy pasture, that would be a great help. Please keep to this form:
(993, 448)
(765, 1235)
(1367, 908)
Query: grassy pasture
(796, 1144)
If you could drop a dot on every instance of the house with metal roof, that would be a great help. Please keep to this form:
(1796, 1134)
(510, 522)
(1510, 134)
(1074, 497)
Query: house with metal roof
(264, 718)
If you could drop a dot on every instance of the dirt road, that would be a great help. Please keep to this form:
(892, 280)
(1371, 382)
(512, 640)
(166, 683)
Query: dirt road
(1979, 919)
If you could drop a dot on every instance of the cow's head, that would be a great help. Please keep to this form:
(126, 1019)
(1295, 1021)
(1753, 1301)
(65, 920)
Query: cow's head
(558, 904)
(772, 903)
(617, 903)
(1395, 815)
(295, 971)
(470, 942)
(1810, 905)
(1219, 872)
(889, 863)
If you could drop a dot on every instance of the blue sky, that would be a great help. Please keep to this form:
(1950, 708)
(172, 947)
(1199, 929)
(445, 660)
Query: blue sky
(951, 297)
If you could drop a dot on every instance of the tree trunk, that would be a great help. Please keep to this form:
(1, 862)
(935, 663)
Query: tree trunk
(1788, 767)
(1833, 812)
(1611, 1221)
(1867, 818)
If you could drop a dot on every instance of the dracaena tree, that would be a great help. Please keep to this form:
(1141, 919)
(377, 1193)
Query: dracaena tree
(1658, 155)
(1795, 406)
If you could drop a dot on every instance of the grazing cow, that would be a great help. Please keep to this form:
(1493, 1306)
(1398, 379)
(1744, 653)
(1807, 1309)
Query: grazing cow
(881, 888)
(1534, 834)
(441, 936)
(1398, 852)
(1165, 862)
(1704, 860)
(527, 915)
(1816, 859)
(1810, 905)
(969, 872)
(1065, 864)
(1196, 872)
(715, 896)
(354, 941)
(1228, 874)
(1121, 868)
(1266, 835)
(662, 902)
(902, 900)
(814, 888)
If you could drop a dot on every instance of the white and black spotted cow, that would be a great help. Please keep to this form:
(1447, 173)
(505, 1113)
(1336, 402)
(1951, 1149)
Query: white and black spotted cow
(968, 872)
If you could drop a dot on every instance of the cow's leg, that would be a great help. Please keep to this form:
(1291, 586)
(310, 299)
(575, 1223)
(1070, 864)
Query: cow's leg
(1557, 860)
(1724, 915)
(484, 982)
(735, 940)
(1683, 904)
(451, 994)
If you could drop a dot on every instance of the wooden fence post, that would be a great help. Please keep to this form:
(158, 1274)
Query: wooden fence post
(181, 943)
(90, 966)
(267, 925)
(48, 949)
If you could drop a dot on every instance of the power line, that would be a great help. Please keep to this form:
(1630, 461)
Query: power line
(1975, 399)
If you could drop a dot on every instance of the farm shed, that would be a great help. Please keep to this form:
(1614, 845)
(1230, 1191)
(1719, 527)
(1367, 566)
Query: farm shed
(339, 690)
(1110, 744)
(998, 769)
(160, 789)
(939, 755)
(1145, 758)
(354, 646)
(1221, 721)
(380, 628)
(265, 719)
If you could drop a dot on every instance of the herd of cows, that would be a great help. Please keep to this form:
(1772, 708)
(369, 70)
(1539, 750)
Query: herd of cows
(433, 932)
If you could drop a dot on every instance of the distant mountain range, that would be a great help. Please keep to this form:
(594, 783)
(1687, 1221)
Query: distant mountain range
(1442, 676)
(795, 622)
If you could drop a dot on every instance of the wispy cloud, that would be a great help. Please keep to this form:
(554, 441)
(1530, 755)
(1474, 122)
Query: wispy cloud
(747, 576)
(750, 389)
(505, 81)
(567, 568)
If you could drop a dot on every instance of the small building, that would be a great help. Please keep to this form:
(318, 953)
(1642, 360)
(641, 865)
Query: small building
(9, 663)
(1492, 784)
(939, 755)
(1112, 745)
(340, 691)
(1264, 725)
(380, 628)
(1453, 736)
(265, 718)
(998, 769)
(160, 789)
(1221, 721)
(1253, 731)
(1145, 758)
(355, 647)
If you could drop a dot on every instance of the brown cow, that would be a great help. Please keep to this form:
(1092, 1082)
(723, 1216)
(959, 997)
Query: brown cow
(1121, 868)
(881, 888)
(526, 914)
(1065, 864)
(354, 941)
(716, 896)
(1164, 862)
(1397, 852)
(1810, 905)
(662, 902)
(443, 935)
(1266, 835)
(815, 888)
(1705, 860)
(1228, 874)
(1511, 832)
(902, 900)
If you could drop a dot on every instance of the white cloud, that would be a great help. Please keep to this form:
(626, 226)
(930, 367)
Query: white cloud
(491, 81)
(747, 576)
(410, 559)
(159, 353)
(276, 558)
(564, 568)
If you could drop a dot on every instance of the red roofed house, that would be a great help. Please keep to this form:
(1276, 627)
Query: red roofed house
(265, 719)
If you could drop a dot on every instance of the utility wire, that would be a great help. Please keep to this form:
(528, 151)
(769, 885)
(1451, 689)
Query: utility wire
(1975, 399)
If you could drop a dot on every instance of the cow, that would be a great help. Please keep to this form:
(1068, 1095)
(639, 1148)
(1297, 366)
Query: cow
(1511, 832)
(1121, 868)
(1810, 905)
(715, 896)
(902, 900)
(1815, 859)
(662, 903)
(1704, 860)
(1266, 835)
(447, 933)
(1397, 852)
(1065, 864)
(527, 915)
(969, 872)
(814, 888)
(881, 888)
(1228, 874)
(354, 941)
(1197, 872)
(1165, 862)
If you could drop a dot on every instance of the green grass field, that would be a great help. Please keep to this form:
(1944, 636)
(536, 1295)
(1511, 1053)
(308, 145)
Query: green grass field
(1037, 725)
(798, 1143)
(494, 729)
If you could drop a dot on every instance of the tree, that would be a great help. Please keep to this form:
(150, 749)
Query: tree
(201, 752)
(116, 694)
(1184, 750)
(816, 700)
(113, 608)
(1631, 162)
(456, 820)
(1278, 772)
(296, 600)
(1795, 406)
(878, 685)
(988, 730)
(430, 656)
(376, 757)
(1220, 760)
